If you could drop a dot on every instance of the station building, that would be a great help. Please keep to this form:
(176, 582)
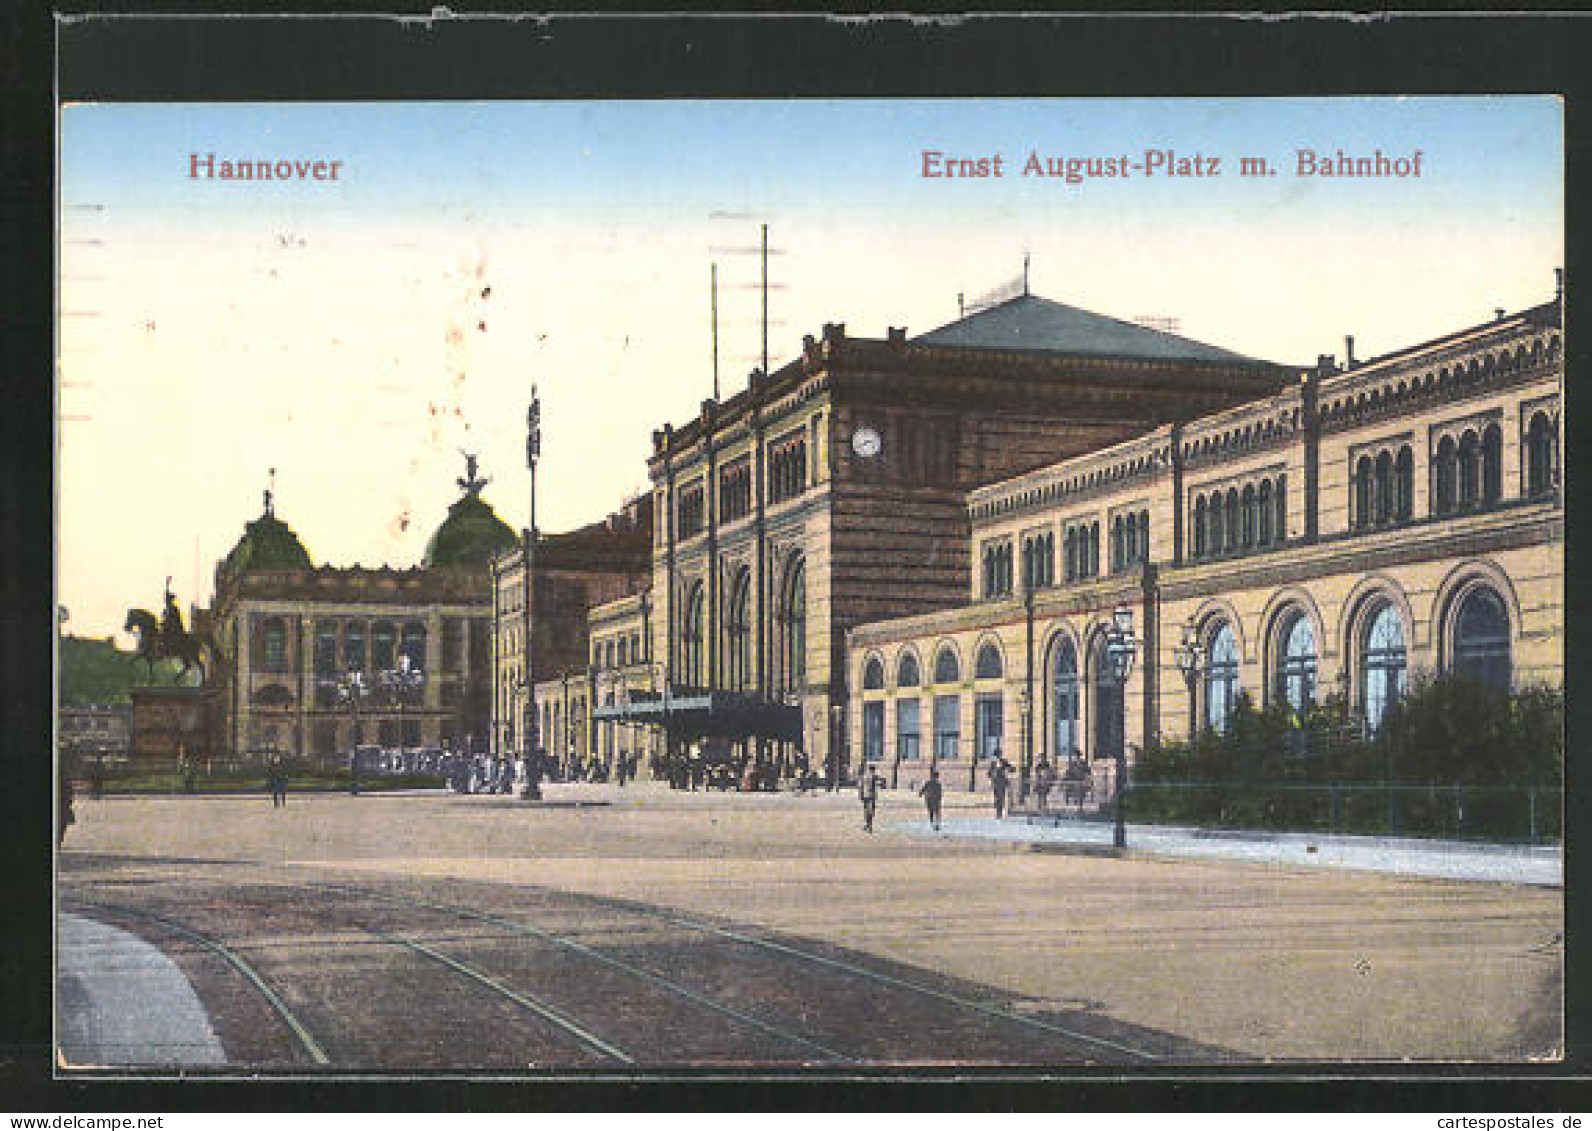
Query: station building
(1356, 524)
(833, 494)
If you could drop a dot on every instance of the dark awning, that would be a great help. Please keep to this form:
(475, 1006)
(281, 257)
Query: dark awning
(693, 714)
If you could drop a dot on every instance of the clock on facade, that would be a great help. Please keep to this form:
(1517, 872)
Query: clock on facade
(865, 442)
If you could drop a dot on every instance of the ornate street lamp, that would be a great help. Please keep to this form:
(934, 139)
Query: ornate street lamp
(351, 690)
(1190, 655)
(401, 682)
(532, 789)
(1025, 714)
(1121, 648)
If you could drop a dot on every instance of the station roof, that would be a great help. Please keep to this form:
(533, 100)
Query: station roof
(1028, 322)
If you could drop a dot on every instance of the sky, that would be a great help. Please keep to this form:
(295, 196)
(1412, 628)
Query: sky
(356, 335)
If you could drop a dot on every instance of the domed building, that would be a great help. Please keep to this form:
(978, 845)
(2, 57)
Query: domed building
(286, 634)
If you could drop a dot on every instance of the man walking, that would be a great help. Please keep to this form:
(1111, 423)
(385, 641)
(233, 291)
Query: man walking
(933, 793)
(868, 784)
(276, 777)
(1044, 778)
(999, 782)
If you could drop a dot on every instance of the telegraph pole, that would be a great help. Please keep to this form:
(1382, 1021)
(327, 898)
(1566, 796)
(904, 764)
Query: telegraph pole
(532, 789)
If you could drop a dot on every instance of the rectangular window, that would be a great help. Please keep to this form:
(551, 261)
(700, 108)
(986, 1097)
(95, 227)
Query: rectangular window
(989, 729)
(690, 505)
(907, 738)
(873, 731)
(787, 468)
(735, 491)
(947, 727)
(452, 644)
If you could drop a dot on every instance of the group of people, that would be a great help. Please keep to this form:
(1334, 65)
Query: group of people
(1076, 783)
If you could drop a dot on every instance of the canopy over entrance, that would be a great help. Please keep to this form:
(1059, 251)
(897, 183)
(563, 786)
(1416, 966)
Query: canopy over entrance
(707, 714)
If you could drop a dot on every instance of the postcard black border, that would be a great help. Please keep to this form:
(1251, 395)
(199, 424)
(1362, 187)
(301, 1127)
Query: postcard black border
(194, 52)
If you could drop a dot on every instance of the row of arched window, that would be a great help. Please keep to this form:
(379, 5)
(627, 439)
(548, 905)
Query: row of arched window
(1384, 488)
(997, 566)
(1248, 518)
(789, 655)
(1081, 551)
(344, 645)
(619, 651)
(1468, 473)
(787, 469)
(1130, 540)
(1480, 649)
(1039, 560)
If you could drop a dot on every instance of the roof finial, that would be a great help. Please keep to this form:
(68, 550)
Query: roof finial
(270, 494)
(471, 484)
(1025, 272)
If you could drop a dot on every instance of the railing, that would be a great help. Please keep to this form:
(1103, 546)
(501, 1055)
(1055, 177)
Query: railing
(1530, 814)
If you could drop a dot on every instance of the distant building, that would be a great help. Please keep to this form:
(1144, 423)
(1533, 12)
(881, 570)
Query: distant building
(574, 572)
(95, 732)
(288, 633)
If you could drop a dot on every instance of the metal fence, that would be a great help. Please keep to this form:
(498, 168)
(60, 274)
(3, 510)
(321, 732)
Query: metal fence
(1529, 814)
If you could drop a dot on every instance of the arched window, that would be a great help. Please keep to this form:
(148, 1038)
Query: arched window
(946, 668)
(1199, 527)
(691, 638)
(738, 632)
(988, 665)
(1296, 669)
(1362, 492)
(793, 627)
(1215, 513)
(1492, 464)
(1064, 700)
(1069, 543)
(873, 675)
(1469, 470)
(1481, 639)
(1221, 675)
(383, 641)
(1282, 508)
(1230, 520)
(1446, 474)
(623, 654)
(1540, 443)
(1384, 489)
(907, 673)
(1382, 664)
(1247, 506)
(1264, 503)
(1404, 484)
(1094, 549)
(1144, 537)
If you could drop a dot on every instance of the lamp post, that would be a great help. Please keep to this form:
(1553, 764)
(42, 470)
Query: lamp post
(1190, 655)
(837, 731)
(352, 691)
(1025, 714)
(1121, 648)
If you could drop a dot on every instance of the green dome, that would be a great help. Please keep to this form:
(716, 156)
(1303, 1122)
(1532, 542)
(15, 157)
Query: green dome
(268, 543)
(471, 535)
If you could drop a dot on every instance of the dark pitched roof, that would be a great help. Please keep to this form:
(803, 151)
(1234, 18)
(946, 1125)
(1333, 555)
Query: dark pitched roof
(1029, 322)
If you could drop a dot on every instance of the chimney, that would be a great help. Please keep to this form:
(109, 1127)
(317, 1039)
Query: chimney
(1348, 350)
(1498, 314)
(897, 335)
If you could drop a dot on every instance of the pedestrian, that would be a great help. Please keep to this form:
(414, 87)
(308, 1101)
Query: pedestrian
(276, 778)
(999, 782)
(933, 793)
(65, 815)
(868, 783)
(1044, 778)
(97, 778)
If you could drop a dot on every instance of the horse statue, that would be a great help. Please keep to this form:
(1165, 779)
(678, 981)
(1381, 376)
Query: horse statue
(165, 638)
(147, 625)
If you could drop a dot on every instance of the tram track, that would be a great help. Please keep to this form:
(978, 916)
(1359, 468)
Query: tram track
(791, 1002)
